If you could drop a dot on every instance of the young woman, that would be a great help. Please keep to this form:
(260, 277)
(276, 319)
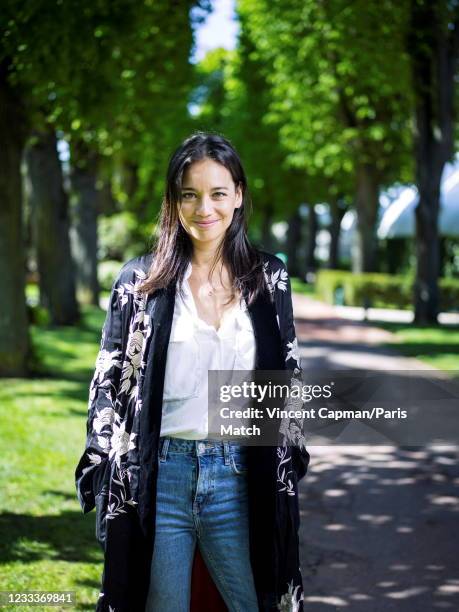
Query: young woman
(205, 299)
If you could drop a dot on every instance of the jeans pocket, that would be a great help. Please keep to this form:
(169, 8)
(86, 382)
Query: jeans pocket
(238, 464)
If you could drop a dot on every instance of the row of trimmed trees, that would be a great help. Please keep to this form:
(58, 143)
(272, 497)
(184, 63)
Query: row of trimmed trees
(336, 101)
(326, 102)
(113, 79)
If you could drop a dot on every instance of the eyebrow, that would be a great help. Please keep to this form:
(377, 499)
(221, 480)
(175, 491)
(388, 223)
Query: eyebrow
(191, 188)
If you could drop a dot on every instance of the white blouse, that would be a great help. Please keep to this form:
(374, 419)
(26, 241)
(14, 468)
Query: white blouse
(194, 348)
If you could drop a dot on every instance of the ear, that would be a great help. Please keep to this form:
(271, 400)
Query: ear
(238, 197)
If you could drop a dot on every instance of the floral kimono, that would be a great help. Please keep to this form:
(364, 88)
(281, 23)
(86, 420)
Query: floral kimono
(117, 472)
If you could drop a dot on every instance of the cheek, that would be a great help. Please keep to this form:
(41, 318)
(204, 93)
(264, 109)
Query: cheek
(183, 217)
(183, 221)
(230, 209)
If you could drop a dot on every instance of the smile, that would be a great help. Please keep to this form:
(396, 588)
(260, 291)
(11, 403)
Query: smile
(205, 224)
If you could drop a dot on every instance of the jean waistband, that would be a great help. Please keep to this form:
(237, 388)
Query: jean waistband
(198, 447)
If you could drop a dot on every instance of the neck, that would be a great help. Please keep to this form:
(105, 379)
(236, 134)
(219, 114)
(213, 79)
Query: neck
(203, 256)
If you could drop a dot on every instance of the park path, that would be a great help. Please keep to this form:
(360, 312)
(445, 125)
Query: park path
(331, 340)
(379, 524)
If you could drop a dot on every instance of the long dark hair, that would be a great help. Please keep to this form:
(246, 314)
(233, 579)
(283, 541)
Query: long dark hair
(173, 247)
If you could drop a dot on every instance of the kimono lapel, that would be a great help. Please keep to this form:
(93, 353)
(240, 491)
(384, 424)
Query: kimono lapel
(262, 460)
(160, 308)
(267, 335)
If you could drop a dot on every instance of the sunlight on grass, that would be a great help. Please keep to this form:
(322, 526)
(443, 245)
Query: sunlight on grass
(437, 346)
(46, 543)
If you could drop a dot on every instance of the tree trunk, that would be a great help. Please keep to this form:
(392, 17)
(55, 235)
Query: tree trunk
(107, 203)
(396, 255)
(427, 252)
(49, 204)
(14, 338)
(366, 204)
(442, 256)
(85, 210)
(433, 44)
(337, 214)
(294, 242)
(312, 239)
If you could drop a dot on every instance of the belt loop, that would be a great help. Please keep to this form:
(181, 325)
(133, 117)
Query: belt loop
(226, 452)
(164, 449)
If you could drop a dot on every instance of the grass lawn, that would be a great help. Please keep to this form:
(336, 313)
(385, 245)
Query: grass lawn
(437, 346)
(299, 286)
(46, 543)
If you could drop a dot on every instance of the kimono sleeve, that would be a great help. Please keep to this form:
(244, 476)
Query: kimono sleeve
(91, 470)
(291, 429)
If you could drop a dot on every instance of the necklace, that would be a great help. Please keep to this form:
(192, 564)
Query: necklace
(206, 285)
(203, 281)
(210, 291)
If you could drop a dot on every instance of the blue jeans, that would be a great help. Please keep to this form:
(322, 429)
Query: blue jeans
(201, 495)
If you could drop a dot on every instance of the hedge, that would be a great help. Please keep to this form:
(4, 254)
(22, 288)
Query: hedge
(378, 290)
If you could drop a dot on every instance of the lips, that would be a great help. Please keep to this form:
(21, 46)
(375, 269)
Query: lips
(206, 223)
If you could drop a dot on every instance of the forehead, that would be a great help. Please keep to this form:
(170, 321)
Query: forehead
(206, 173)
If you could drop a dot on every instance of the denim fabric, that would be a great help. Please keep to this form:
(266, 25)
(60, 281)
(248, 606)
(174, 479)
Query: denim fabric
(201, 499)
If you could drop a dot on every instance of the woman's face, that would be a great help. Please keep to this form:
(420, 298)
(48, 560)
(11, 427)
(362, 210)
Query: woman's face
(209, 198)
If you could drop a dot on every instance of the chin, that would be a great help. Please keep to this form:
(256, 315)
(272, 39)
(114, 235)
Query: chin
(207, 236)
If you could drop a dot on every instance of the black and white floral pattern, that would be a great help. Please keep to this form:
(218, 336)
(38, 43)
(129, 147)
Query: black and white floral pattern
(291, 430)
(279, 286)
(114, 391)
(290, 601)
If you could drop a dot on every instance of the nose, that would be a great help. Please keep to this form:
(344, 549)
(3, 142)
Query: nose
(204, 206)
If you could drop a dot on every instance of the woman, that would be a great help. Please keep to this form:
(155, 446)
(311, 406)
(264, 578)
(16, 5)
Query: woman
(205, 299)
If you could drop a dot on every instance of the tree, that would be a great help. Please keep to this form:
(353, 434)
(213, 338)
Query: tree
(342, 104)
(50, 218)
(110, 74)
(231, 96)
(433, 44)
(14, 339)
(86, 204)
(337, 207)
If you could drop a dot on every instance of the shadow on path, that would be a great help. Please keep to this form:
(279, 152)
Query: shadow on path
(379, 529)
(379, 524)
